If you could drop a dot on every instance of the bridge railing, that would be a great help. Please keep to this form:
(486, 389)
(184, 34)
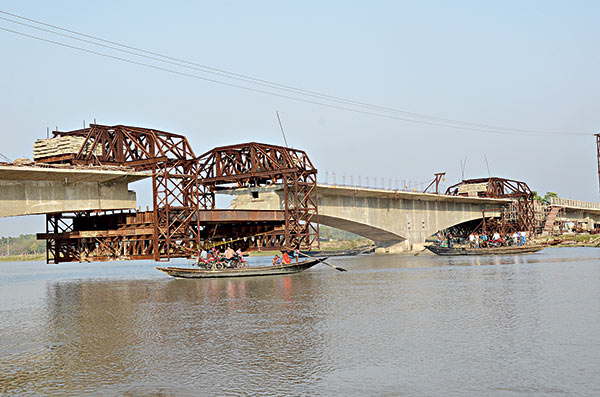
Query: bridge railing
(561, 202)
(379, 184)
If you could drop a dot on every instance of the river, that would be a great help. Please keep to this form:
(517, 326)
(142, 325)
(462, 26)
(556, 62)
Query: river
(392, 325)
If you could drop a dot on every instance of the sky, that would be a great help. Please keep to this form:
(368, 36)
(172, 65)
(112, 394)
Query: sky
(523, 65)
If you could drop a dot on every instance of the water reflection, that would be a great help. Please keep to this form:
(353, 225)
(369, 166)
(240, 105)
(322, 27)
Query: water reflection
(117, 329)
(392, 324)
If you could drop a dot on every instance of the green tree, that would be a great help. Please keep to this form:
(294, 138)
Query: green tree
(548, 196)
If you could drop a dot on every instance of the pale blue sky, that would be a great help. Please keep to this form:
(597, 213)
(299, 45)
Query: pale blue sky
(520, 64)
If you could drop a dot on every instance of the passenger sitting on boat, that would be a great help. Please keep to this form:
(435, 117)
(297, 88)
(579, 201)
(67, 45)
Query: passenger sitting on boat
(449, 240)
(202, 257)
(239, 257)
(496, 236)
(521, 237)
(477, 241)
(229, 254)
(285, 259)
(484, 240)
(276, 260)
(439, 237)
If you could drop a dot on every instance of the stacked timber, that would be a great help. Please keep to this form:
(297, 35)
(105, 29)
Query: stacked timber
(60, 146)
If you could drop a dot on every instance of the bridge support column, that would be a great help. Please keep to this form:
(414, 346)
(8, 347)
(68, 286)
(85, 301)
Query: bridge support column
(395, 247)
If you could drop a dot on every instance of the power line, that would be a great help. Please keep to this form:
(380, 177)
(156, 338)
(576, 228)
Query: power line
(5, 158)
(250, 79)
(443, 122)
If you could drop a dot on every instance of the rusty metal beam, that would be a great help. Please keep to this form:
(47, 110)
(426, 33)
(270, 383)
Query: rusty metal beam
(184, 216)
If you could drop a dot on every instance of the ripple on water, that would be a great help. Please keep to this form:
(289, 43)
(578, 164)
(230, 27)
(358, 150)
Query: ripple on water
(414, 325)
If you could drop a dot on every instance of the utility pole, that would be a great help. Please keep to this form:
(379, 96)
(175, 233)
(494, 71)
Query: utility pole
(598, 155)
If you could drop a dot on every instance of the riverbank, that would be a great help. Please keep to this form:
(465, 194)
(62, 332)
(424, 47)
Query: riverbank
(332, 246)
(571, 240)
(23, 258)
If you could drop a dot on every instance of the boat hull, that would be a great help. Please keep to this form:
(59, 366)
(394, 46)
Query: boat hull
(182, 272)
(462, 251)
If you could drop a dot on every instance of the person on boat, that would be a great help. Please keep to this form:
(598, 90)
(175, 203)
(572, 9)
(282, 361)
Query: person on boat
(239, 257)
(296, 254)
(522, 238)
(202, 257)
(449, 240)
(484, 240)
(285, 259)
(229, 254)
(276, 260)
(439, 237)
(477, 241)
(471, 240)
(515, 238)
(496, 237)
(214, 253)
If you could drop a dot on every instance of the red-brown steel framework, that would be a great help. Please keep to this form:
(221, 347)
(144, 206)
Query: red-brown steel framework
(183, 218)
(522, 205)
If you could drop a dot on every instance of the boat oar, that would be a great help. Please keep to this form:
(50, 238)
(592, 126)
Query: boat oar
(339, 269)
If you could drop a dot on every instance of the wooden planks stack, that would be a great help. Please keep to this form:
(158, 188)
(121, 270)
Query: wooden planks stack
(43, 148)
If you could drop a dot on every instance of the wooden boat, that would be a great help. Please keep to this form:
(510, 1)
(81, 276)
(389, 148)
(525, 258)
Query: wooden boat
(295, 267)
(457, 250)
(349, 252)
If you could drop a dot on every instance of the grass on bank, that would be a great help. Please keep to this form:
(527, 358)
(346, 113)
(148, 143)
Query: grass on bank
(23, 258)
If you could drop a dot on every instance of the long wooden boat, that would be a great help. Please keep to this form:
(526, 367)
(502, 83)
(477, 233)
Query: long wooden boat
(456, 251)
(296, 267)
(349, 252)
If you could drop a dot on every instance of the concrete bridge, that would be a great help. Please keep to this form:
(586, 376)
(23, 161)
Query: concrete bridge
(397, 221)
(584, 214)
(32, 190)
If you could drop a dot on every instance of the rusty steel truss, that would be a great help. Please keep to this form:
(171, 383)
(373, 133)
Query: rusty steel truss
(254, 165)
(183, 185)
(519, 215)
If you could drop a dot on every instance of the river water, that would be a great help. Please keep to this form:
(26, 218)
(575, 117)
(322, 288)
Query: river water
(392, 325)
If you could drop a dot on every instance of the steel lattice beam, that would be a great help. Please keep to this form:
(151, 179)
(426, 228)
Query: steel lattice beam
(183, 185)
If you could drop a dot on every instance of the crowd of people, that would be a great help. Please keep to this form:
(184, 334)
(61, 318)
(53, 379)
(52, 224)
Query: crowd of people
(227, 258)
(285, 258)
(496, 240)
(231, 258)
(482, 240)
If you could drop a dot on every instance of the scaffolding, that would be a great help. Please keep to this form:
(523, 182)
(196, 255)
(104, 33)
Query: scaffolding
(182, 220)
(518, 215)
